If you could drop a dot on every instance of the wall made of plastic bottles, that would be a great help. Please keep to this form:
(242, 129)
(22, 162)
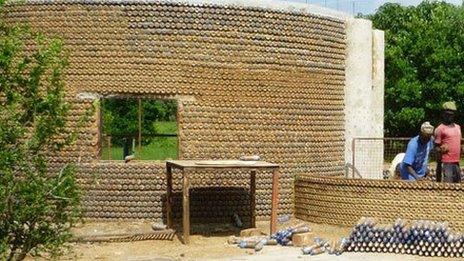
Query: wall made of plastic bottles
(249, 80)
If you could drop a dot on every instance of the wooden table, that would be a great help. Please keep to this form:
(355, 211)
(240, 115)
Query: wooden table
(187, 166)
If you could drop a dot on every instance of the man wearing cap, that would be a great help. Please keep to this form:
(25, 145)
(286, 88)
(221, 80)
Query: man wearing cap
(448, 143)
(414, 165)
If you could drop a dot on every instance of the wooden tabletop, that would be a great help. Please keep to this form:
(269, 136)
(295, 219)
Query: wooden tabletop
(220, 164)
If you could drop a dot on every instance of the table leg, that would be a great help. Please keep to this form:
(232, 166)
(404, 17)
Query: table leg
(275, 200)
(169, 217)
(253, 197)
(186, 207)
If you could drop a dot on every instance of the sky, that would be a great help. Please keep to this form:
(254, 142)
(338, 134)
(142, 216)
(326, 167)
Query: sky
(361, 6)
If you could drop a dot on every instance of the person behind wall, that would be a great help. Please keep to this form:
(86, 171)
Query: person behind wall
(448, 143)
(414, 165)
(395, 166)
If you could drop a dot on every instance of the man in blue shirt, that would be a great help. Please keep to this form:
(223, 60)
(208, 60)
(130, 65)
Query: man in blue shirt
(414, 165)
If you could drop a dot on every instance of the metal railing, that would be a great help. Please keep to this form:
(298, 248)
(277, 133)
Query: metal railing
(367, 157)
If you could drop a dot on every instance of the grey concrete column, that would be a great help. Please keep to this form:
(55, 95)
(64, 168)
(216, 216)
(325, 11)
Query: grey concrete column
(378, 81)
(364, 97)
(358, 73)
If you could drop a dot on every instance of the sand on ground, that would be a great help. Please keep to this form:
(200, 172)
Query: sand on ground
(209, 244)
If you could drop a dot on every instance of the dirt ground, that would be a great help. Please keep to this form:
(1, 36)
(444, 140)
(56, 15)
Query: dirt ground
(211, 244)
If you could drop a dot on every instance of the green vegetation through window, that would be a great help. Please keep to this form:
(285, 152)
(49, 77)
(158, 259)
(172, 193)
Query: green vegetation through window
(139, 128)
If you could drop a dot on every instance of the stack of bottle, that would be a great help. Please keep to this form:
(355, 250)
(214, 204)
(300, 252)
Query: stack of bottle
(282, 237)
(320, 246)
(324, 246)
(424, 238)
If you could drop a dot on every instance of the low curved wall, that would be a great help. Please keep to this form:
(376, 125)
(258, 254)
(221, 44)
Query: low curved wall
(341, 201)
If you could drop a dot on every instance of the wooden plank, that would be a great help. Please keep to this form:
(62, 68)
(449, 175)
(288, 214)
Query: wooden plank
(197, 164)
(186, 207)
(109, 148)
(275, 200)
(140, 129)
(179, 118)
(253, 197)
(167, 234)
(169, 216)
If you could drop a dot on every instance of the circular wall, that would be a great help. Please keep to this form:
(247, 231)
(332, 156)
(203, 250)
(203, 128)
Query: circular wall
(249, 80)
(341, 201)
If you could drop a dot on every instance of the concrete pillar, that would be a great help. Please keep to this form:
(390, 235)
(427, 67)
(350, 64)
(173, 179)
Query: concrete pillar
(358, 73)
(364, 97)
(378, 81)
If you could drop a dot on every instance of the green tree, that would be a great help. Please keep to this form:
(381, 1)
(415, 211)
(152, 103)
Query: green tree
(424, 59)
(120, 117)
(37, 207)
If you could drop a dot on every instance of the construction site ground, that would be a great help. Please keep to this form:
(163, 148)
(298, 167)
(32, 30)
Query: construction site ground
(210, 244)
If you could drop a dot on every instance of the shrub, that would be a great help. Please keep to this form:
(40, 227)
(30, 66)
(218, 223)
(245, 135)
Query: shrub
(37, 207)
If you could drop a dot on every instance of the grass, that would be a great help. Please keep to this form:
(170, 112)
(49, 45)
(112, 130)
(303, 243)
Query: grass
(161, 148)
(166, 127)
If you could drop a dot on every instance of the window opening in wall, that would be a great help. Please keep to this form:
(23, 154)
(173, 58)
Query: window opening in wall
(139, 128)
